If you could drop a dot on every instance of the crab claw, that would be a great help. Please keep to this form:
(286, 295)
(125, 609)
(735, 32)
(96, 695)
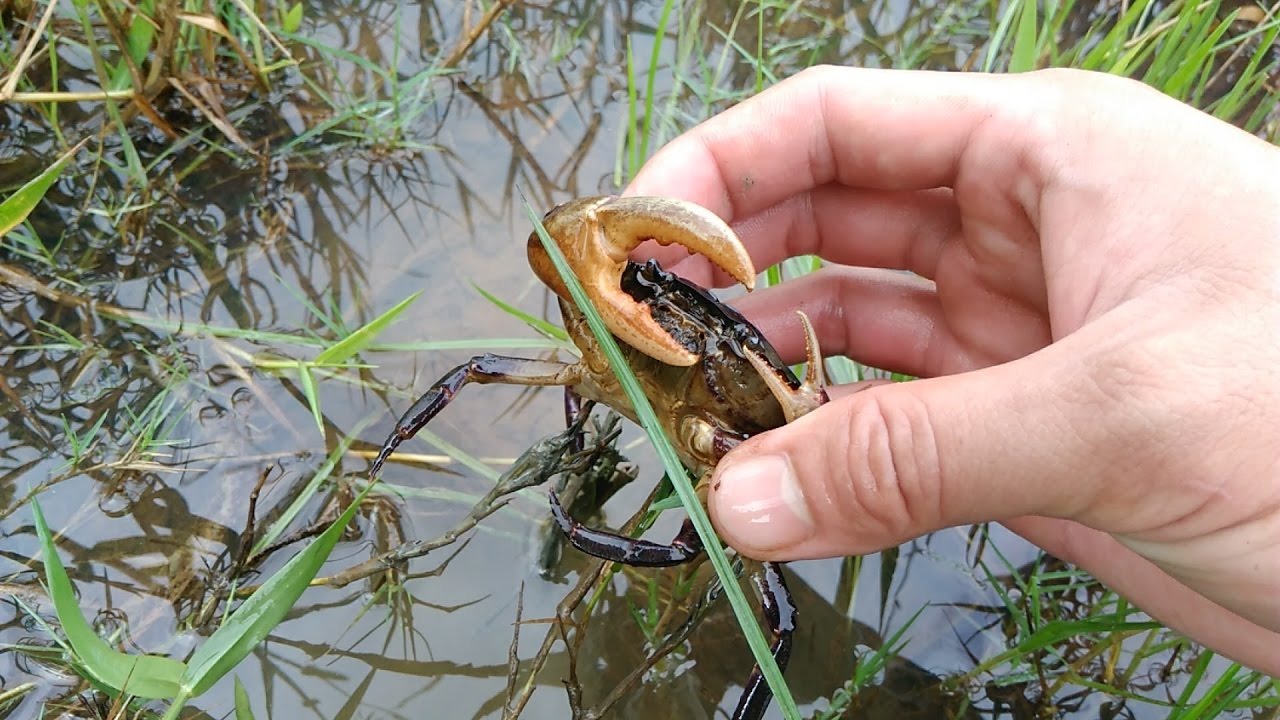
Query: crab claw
(597, 234)
(812, 393)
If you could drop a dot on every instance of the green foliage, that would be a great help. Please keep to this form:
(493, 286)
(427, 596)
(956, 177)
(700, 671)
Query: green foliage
(19, 205)
(154, 677)
(244, 710)
(144, 676)
(257, 616)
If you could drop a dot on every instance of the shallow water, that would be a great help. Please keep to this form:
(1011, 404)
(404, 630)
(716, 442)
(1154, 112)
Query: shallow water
(537, 107)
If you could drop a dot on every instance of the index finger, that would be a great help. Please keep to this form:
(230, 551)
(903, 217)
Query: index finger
(865, 130)
(862, 128)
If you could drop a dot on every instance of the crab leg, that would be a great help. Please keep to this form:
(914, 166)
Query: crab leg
(775, 599)
(780, 614)
(573, 409)
(622, 549)
(482, 369)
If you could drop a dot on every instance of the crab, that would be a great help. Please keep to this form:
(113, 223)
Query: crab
(711, 377)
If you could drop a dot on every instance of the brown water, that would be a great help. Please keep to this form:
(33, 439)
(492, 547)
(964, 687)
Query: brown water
(538, 106)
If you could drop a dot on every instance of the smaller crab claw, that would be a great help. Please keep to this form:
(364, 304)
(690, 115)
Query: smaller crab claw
(596, 235)
(812, 393)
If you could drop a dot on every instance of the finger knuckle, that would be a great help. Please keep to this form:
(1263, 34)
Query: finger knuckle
(892, 465)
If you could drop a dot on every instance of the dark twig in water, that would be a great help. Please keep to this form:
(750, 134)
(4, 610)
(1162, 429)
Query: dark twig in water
(250, 526)
(513, 653)
(328, 516)
(696, 614)
(566, 608)
(572, 688)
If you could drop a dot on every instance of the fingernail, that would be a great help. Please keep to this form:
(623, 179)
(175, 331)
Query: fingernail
(759, 504)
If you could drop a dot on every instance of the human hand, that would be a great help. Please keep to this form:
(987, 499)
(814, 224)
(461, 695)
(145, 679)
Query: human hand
(1095, 308)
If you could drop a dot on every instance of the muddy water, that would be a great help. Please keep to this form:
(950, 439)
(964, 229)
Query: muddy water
(537, 107)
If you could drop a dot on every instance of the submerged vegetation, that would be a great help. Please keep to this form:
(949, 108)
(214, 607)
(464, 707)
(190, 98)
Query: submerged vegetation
(234, 236)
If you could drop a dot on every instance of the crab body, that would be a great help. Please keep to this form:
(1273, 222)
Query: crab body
(706, 408)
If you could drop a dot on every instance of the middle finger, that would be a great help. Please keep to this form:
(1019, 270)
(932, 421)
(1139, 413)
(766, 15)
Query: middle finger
(899, 230)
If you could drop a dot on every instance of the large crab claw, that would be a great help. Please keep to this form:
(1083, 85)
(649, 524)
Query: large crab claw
(596, 234)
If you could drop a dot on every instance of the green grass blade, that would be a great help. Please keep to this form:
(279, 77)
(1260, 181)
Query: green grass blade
(633, 120)
(244, 711)
(654, 57)
(144, 676)
(998, 37)
(307, 383)
(348, 346)
(19, 205)
(1024, 41)
(679, 478)
(536, 323)
(256, 617)
(292, 18)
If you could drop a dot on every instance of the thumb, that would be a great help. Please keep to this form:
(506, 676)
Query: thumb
(878, 467)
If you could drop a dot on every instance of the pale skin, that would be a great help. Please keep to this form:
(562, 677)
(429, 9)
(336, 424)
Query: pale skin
(1094, 311)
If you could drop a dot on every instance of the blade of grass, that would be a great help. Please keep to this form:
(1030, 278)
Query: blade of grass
(658, 34)
(538, 324)
(257, 616)
(244, 711)
(344, 350)
(19, 205)
(144, 676)
(633, 120)
(1024, 41)
(676, 472)
(307, 383)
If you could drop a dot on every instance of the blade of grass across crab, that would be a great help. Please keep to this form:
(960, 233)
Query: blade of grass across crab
(679, 478)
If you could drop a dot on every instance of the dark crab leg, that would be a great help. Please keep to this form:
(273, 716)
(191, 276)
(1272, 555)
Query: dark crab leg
(780, 614)
(480, 369)
(629, 551)
(572, 411)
